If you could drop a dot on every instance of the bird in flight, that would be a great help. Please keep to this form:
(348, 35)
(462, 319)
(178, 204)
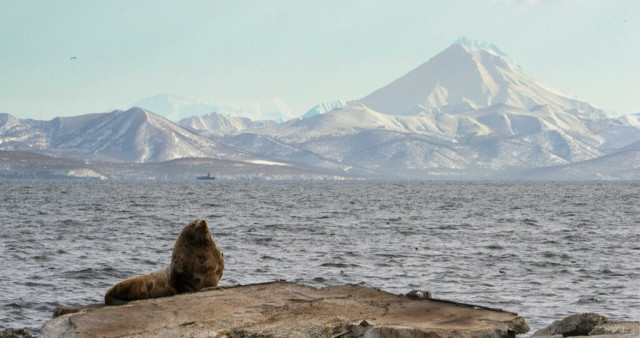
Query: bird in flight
(74, 57)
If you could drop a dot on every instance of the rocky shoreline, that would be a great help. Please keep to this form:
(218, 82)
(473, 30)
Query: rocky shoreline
(284, 309)
(589, 324)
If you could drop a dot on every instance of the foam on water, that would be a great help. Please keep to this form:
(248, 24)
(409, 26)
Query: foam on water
(545, 251)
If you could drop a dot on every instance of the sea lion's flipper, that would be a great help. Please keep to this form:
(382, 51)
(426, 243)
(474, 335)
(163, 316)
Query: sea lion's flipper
(183, 281)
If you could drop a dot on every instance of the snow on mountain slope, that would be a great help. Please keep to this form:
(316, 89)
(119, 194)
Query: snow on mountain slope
(495, 121)
(24, 135)
(622, 165)
(273, 149)
(390, 153)
(475, 45)
(498, 137)
(471, 74)
(632, 120)
(622, 132)
(402, 154)
(213, 125)
(324, 107)
(139, 136)
(348, 120)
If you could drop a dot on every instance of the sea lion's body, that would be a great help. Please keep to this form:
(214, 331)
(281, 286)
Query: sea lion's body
(196, 263)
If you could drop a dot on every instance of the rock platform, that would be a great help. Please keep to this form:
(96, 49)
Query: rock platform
(284, 309)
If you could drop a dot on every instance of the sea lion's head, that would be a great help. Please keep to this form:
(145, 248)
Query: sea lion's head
(195, 233)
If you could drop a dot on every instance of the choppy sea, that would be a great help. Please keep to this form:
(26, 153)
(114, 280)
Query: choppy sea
(543, 250)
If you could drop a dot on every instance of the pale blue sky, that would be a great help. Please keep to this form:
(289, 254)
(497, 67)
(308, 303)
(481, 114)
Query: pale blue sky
(301, 52)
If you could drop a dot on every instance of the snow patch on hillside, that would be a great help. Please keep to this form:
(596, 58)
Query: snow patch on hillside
(86, 173)
(265, 162)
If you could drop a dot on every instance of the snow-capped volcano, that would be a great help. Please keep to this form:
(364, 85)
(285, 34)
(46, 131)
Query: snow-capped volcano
(469, 75)
(475, 45)
(324, 107)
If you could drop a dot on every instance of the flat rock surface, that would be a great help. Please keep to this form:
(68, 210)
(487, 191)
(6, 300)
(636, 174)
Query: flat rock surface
(283, 309)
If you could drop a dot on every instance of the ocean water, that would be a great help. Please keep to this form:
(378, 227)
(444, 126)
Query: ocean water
(543, 250)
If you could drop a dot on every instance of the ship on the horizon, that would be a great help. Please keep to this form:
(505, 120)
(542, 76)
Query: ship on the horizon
(208, 177)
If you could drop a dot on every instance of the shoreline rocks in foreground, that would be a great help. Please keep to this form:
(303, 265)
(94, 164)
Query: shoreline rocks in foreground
(283, 309)
(589, 324)
(15, 333)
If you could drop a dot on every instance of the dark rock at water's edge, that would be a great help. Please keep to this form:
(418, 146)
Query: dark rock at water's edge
(576, 325)
(15, 333)
(283, 309)
(589, 324)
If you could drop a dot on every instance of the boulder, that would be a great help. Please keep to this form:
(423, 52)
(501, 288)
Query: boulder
(588, 324)
(576, 325)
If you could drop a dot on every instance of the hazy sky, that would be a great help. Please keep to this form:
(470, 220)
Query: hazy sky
(297, 52)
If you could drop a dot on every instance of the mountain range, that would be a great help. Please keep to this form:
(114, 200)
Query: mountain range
(469, 112)
(135, 136)
(176, 108)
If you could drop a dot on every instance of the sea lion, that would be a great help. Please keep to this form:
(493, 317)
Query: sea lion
(196, 263)
(417, 295)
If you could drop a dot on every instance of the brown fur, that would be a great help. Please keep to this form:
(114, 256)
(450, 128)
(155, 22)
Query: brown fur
(196, 263)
